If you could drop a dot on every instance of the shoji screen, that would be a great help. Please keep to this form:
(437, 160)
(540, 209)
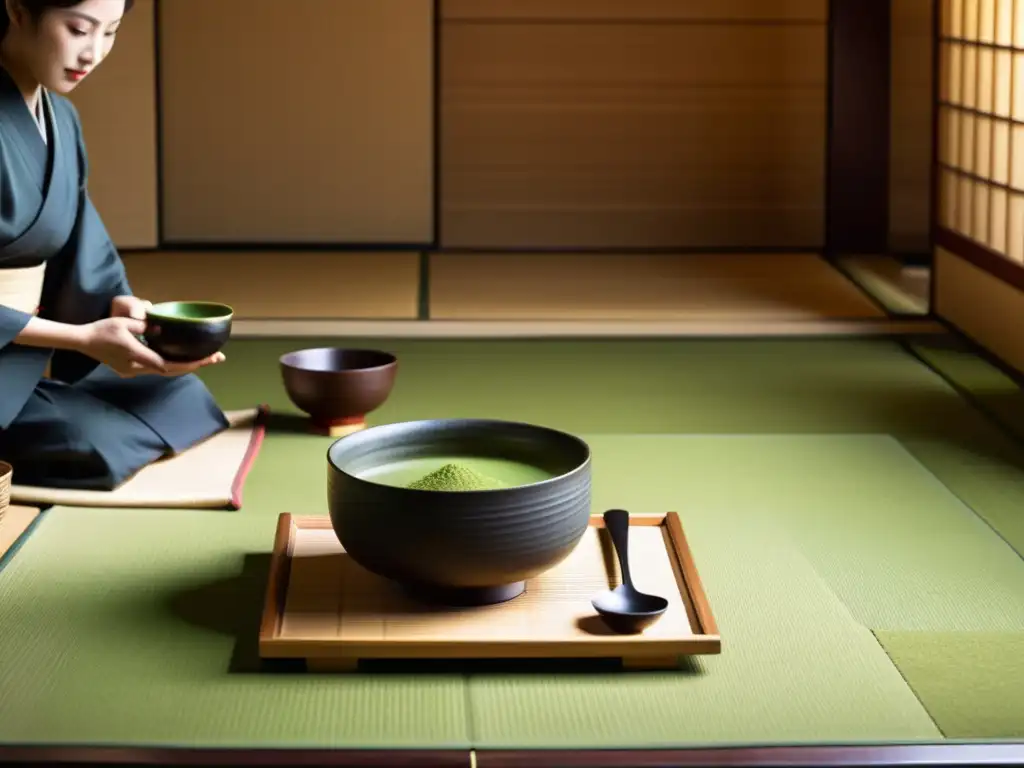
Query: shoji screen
(633, 123)
(979, 266)
(981, 129)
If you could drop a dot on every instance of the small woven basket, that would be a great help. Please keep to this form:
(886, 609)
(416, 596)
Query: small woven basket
(5, 488)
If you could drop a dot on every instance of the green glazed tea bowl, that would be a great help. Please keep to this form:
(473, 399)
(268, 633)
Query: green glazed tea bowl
(187, 331)
(525, 511)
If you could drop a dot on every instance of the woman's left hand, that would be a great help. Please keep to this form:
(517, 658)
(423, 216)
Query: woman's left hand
(129, 306)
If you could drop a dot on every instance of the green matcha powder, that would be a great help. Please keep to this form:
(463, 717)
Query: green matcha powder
(455, 477)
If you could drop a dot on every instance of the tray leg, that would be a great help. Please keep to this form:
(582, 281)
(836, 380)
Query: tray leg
(650, 662)
(332, 665)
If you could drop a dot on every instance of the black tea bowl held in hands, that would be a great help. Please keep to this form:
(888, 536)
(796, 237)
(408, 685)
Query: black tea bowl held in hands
(187, 331)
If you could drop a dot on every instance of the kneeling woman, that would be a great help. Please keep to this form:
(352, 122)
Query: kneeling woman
(109, 405)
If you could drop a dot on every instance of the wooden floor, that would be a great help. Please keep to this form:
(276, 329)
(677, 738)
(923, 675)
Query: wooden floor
(314, 292)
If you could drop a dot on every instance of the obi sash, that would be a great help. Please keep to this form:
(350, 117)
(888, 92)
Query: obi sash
(21, 288)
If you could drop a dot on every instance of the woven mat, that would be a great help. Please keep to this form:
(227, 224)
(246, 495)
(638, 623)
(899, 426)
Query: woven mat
(971, 683)
(169, 601)
(124, 629)
(210, 475)
(14, 521)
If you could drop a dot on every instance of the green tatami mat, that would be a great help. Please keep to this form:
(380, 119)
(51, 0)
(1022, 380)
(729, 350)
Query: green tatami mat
(640, 386)
(713, 386)
(990, 388)
(795, 666)
(985, 473)
(880, 279)
(139, 628)
(889, 540)
(803, 543)
(801, 469)
(971, 683)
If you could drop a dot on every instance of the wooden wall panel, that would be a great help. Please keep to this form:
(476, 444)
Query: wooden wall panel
(117, 105)
(910, 159)
(981, 305)
(859, 140)
(309, 121)
(638, 10)
(700, 130)
(285, 285)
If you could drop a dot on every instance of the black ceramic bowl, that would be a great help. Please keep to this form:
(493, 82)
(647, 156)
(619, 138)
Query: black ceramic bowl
(187, 331)
(459, 547)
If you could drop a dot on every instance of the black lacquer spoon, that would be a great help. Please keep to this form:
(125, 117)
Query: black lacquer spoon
(625, 609)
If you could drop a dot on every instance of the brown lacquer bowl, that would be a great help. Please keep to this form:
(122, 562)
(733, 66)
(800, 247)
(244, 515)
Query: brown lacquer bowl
(338, 387)
(459, 547)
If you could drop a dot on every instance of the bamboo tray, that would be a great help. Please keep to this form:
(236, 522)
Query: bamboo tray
(322, 607)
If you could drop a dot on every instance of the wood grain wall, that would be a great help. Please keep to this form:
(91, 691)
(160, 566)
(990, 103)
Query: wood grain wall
(309, 121)
(649, 123)
(563, 123)
(308, 124)
(118, 107)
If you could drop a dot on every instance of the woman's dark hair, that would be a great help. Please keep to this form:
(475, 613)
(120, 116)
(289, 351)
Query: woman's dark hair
(36, 8)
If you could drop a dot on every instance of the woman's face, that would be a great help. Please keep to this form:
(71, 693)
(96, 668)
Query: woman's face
(66, 44)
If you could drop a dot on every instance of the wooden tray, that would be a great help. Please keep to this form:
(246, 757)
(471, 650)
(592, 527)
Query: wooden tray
(322, 607)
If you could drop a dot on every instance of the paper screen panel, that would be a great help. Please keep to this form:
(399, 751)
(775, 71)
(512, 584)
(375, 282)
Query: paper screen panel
(316, 127)
(117, 106)
(981, 168)
(981, 123)
(912, 109)
(681, 133)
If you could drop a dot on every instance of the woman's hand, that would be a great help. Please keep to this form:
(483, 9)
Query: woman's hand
(130, 306)
(114, 341)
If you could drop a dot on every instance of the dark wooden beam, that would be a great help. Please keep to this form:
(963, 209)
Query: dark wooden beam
(857, 217)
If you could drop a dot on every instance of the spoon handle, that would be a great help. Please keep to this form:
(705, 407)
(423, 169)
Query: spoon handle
(617, 523)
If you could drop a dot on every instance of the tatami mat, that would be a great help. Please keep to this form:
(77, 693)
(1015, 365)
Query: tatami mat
(209, 475)
(546, 286)
(986, 473)
(117, 627)
(14, 521)
(282, 284)
(971, 683)
(900, 289)
(789, 461)
(990, 388)
(894, 545)
(794, 665)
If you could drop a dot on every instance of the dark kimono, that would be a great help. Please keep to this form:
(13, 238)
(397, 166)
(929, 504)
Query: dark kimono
(83, 426)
